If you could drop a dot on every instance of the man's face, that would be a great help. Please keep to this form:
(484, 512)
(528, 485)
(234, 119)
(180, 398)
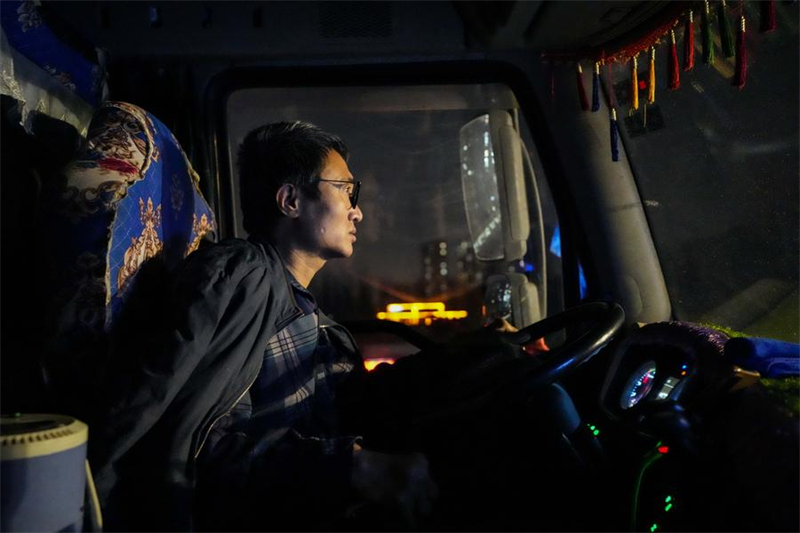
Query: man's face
(330, 222)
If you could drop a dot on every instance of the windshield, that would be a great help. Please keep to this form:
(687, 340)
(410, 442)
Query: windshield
(414, 246)
(717, 170)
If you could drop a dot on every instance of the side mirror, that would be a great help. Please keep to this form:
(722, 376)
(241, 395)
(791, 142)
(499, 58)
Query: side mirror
(492, 179)
(512, 297)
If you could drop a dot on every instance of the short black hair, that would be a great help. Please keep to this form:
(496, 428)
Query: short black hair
(278, 153)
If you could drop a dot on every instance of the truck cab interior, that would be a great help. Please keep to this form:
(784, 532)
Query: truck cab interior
(616, 179)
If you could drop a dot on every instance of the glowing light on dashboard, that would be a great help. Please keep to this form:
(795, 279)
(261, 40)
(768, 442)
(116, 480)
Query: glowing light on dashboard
(411, 313)
(666, 388)
(370, 364)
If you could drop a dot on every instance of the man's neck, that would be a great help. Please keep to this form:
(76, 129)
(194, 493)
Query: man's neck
(303, 266)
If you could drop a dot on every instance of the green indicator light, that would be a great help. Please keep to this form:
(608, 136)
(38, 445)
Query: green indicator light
(668, 507)
(668, 499)
(596, 432)
(653, 527)
(658, 444)
(591, 427)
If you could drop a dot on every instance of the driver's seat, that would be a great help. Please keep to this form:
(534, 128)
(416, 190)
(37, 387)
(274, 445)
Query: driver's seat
(126, 210)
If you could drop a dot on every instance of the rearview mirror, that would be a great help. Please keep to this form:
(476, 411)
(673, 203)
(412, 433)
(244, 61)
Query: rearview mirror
(493, 184)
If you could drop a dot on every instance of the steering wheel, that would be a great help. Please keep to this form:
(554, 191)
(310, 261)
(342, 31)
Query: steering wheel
(608, 319)
(518, 377)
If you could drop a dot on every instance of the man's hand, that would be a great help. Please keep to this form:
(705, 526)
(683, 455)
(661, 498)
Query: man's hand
(535, 347)
(502, 325)
(399, 481)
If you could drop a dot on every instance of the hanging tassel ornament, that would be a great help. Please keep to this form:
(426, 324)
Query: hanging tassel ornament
(674, 71)
(596, 87)
(688, 43)
(767, 16)
(740, 74)
(651, 87)
(614, 136)
(581, 89)
(608, 85)
(634, 84)
(551, 81)
(705, 33)
(725, 31)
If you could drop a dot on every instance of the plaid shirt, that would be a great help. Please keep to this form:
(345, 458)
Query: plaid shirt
(296, 386)
(279, 461)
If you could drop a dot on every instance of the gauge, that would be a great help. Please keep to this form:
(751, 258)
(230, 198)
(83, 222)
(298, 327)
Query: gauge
(666, 389)
(639, 384)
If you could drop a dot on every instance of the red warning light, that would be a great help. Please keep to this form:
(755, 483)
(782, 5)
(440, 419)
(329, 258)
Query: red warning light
(663, 449)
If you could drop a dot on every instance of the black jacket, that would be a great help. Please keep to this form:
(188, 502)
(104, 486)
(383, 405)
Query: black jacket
(166, 395)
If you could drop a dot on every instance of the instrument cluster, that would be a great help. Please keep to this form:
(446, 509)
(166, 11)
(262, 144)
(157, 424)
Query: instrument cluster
(644, 374)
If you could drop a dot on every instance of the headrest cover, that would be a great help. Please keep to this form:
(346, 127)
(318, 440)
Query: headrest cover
(131, 195)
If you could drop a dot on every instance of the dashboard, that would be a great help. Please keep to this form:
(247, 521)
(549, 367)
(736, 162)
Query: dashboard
(660, 364)
(652, 375)
(714, 453)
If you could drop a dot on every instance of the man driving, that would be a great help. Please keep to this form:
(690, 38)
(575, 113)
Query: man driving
(234, 424)
(248, 411)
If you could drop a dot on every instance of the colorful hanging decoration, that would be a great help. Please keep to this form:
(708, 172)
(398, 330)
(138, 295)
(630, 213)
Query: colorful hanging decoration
(651, 86)
(672, 67)
(581, 89)
(688, 42)
(708, 38)
(725, 31)
(614, 136)
(740, 72)
(634, 84)
(767, 16)
(663, 32)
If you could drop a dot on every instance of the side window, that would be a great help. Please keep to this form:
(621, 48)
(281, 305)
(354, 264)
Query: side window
(718, 178)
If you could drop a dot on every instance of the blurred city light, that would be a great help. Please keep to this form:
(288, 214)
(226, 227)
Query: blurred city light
(370, 364)
(414, 313)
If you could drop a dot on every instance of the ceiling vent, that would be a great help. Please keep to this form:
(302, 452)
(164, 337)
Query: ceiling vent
(356, 20)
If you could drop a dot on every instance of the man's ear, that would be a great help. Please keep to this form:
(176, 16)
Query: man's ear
(287, 199)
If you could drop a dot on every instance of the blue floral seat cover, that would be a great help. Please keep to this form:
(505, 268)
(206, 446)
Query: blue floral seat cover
(129, 196)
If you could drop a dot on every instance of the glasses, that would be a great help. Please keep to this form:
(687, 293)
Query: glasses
(352, 194)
